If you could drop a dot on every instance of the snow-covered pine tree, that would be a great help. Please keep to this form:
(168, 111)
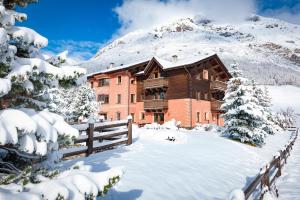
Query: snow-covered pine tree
(85, 103)
(243, 116)
(264, 101)
(24, 76)
(25, 126)
(75, 104)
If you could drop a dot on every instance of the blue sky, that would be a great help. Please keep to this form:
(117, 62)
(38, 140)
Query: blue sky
(83, 26)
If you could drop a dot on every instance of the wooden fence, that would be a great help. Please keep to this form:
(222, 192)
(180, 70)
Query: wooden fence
(101, 136)
(268, 174)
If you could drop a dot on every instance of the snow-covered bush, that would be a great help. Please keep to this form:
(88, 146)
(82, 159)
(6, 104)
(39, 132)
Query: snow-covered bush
(75, 104)
(285, 118)
(75, 183)
(244, 117)
(207, 127)
(171, 125)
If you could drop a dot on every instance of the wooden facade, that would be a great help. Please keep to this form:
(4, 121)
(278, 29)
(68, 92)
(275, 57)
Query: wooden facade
(151, 92)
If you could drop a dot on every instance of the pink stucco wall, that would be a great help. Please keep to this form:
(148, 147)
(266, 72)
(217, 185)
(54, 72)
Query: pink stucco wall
(178, 109)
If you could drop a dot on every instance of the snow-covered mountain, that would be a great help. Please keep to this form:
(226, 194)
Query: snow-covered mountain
(267, 49)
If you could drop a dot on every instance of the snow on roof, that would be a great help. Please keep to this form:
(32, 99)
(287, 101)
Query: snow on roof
(164, 63)
(117, 68)
(169, 64)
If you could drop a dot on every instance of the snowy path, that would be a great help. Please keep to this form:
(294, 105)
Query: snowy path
(289, 183)
(198, 165)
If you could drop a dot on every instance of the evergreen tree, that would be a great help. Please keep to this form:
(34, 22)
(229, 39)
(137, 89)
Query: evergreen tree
(243, 116)
(75, 104)
(25, 76)
(85, 104)
(264, 100)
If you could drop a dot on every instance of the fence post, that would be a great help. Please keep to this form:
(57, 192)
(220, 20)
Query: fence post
(266, 178)
(279, 164)
(284, 155)
(89, 142)
(129, 134)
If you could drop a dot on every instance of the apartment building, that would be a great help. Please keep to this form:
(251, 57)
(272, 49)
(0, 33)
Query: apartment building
(156, 90)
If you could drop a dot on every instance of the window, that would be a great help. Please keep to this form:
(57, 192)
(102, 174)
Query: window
(132, 115)
(103, 82)
(119, 80)
(118, 116)
(198, 117)
(206, 96)
(132, 81)
(214, 117)
(103, 98)
(119, 98)
(156, 75)
(207, 116)
(159, 117)
(142, 116)
(198, 95)
(205, 74)
(132, 98)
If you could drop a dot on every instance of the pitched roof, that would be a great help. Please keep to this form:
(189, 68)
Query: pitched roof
(164, 64)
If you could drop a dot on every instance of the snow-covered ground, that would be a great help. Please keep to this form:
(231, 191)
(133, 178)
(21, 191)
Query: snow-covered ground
(289, 184)
(197, 165)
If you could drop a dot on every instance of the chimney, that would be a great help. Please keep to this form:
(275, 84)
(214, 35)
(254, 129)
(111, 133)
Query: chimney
(174, 58)
(111, 65)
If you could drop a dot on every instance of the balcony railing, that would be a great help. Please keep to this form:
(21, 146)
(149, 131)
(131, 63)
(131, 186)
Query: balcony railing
(216, 105)
(218, 85)
(156, 104)
(156, 83)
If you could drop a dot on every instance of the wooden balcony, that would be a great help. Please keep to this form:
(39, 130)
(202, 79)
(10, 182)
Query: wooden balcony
(156, 83)
(216, 105)
(218, 85)
(156, 104)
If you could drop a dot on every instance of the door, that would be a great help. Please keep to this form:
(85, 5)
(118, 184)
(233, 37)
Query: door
(159, 118)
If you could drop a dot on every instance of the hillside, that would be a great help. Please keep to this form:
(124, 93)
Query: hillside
(267, 49)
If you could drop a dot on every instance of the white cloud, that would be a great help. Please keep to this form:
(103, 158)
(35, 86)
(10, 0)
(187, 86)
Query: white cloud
(144, 14)
(285, 13)
(78, 50)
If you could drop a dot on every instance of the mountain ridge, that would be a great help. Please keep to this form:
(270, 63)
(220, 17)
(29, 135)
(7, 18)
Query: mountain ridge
(267, 49)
